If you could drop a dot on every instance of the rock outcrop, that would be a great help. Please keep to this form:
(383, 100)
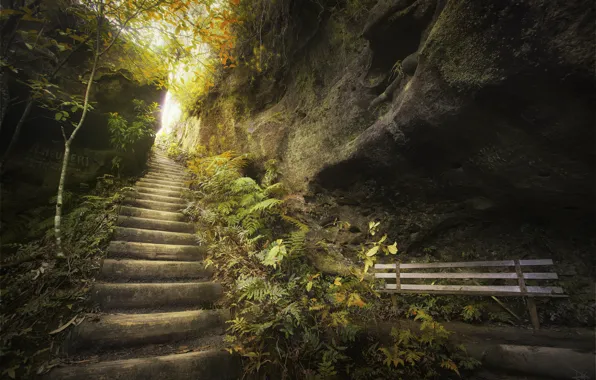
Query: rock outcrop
(466, 127)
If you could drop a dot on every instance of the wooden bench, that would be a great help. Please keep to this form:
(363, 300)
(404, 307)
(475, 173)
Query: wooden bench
(394, 277)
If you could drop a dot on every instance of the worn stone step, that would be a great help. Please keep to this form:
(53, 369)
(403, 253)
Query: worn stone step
(155, 185)
(154, 205)
(164, 159)
(155, 197)
(151, 214)
(165, 174)
(154, 224)
(153, 270)
(151, 236)
(111, 296)
(159, 175)
(174, 181)
(171, 182)
(166, 169)
(127, 330)
(159, 164)
(201, 365)
(154, 251)
(150, 190)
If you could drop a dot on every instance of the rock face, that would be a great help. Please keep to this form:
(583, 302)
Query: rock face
(494, 99)
(499, 104)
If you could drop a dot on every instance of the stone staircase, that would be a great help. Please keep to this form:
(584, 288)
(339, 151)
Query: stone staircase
(158, 320)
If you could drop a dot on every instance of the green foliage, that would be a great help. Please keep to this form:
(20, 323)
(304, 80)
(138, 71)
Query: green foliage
(369, 255)
(290, 320)
(420, 354)
(471, 313)
(124, 134)
(40, 293)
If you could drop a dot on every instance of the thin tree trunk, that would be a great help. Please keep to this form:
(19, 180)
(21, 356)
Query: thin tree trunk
(68, 142)
(30, 101)
(17, 131)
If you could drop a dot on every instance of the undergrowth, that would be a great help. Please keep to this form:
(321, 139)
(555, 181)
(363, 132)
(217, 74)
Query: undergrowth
(42, 296)
(289, 320)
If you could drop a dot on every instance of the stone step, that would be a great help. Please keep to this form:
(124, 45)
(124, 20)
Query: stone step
(201, 365)
(111, 296)
(171, 182)
(153, 270)
(152, 214)
(166, 169)
(154, 224)
(151, 236)
(155, 197)
(164, 176)
(152, 251)
(155, 185)
(154, 205)
(160, 164)
(127, 330)
(153, 173)
(164, 159)
(150, 190)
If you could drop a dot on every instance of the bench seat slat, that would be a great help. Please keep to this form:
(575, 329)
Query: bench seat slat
(469, 264)
(506, 276)
(478, 289)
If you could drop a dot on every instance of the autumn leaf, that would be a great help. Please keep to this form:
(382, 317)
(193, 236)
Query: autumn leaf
(355, 300)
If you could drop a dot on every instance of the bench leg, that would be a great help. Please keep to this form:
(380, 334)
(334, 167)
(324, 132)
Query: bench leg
(533, 313)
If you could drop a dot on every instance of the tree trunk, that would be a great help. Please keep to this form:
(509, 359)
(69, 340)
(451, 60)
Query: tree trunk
(68, 142)
(59, 199)
(4, 96)
(17, 131)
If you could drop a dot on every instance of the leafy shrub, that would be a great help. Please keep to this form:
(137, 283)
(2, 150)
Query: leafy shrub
(124, 134)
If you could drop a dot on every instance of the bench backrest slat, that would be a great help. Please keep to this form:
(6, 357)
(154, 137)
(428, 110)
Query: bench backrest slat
(469, 264)
(479, 289)
(506, 276)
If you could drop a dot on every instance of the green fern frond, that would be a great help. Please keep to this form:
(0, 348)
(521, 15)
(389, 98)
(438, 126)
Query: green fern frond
(258, 289)
(227, 208)
(301, 226)
(297, 242)
(265, 205)
(244, 185)
(275, 189)
(253, 225)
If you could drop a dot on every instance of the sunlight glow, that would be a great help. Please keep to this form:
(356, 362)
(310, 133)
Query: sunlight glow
(170, 114)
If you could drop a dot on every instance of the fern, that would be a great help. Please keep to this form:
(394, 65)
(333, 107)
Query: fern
(244, 185)
(258, 289)
(265, 205)
(298, 224)
(297, 242)
(226, 208)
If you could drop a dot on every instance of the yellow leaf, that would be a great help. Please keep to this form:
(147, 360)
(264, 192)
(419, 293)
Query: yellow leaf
(337, 281)
(392, 248)
(372, 251)
(340, 297)
(355, 300)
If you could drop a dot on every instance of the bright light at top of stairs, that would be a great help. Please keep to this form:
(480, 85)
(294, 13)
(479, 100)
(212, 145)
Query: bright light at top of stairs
(170, 114)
